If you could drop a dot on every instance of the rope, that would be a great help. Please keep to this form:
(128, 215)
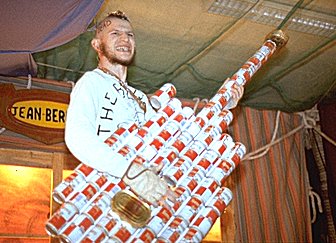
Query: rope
(60, 68)
(312, 196)
(309, 119)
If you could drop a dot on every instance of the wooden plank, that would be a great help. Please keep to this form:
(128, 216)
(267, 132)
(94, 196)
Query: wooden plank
(57, 176)
(25, 158)
(34, 158)
(58, 160)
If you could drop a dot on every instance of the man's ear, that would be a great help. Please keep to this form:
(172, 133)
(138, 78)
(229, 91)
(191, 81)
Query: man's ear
(95, 43)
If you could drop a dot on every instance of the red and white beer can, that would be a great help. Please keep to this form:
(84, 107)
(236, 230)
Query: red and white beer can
(203, 224)
(179, 224)
(94, 212)
(123, 233)
(192, 235)
(86, 171)
(182, 141)
(107, 222)
(60, 219)
(198, 173)
(173, 107)
(144, 235)
(188, 182)
(169, 235)
(62, 192)
(206, 189)
(113, 187)
(162, 96)
(160, 218)
(96, 234)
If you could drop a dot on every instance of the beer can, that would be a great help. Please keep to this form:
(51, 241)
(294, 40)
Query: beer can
(219, 99)
(160, 218)
(107, 223)
(179, 224)
(72, 234)
(173, 107)
(90, 190)
(127, 152)
(195, 149)
(80, 200)
(197, 173)
(114, 187)
(123, 233)
(172, 175)
(168, 235)
(75, 179)
(226, 195)
(136, 142)
(203, 224)
(124, 131)
(187, 213)
(192, 235)
(188, 182)
(184, 163)
(239, 150)
(94, 212)
(163, 95)
(103, 201)
(86, 171)
(157, 143)
(62, 192)
(59, 219)
(144, 235)
(182, 141)
(113, 142)
(99, 180)
(148, 153)
(182, 193)
(205, 164)
(210, 213)
(154, 124)
(206, 189)
(96, 234)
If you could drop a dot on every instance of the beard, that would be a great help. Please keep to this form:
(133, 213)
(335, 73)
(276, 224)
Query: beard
(114, 59)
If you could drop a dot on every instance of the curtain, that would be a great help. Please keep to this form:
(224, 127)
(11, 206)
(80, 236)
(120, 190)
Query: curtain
(32, 26)
(271, 192)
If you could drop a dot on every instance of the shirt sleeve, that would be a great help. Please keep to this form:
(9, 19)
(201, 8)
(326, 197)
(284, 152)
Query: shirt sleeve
(80, 131)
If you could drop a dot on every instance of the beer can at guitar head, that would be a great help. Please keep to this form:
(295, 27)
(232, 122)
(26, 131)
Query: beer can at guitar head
(59, 220)
(162, 96)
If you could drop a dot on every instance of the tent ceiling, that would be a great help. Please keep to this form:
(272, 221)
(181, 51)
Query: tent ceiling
(183, 43)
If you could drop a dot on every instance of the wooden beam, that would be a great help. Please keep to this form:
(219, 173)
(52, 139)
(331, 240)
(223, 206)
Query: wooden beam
(58, 160)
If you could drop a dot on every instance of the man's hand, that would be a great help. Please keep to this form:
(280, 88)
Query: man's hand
(147, 184)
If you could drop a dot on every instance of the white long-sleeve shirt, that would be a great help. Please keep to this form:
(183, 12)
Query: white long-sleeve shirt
(98, 104)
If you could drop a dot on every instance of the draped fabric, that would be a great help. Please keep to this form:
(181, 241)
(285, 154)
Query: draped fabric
(271, 192)
(31, 26)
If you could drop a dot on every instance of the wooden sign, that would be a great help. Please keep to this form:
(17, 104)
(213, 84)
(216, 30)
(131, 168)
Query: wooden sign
(39, 114)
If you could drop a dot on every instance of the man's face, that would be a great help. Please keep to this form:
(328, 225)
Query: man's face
(117, 41)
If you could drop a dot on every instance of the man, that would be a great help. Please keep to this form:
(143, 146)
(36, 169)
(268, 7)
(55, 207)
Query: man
(101, 100)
